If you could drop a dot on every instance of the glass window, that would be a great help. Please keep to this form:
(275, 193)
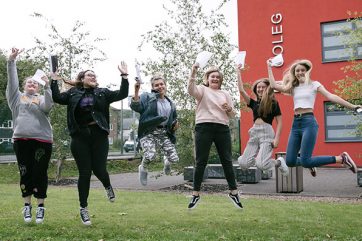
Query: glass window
(341, 125)
(334, 41)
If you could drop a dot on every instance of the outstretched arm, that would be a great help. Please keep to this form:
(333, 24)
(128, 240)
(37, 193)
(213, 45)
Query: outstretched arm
(242, 91)
(191, 87)
(336, 99)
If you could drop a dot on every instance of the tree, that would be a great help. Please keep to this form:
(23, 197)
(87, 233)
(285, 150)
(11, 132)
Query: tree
(350, 87)
(178, 41)
(73, 51)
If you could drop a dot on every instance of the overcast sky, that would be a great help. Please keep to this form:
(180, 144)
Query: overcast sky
(122, 22)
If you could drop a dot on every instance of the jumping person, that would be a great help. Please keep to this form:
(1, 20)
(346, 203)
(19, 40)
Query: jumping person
(303, 135)
(32, 136)
(259, 148)
(88, 126)
(213, 110)
(157, 125)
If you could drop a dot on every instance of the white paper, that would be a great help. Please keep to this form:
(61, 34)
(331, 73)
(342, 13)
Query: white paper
(202, 58)
(277, 61)
(359, 110)
(240, 59)
(138, 72)
(37, 76)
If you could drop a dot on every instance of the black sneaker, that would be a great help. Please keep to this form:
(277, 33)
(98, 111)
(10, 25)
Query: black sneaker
(194, 201)
(40, 213)
(348, 162)
(110, 194)
(27, 213)
(236, 201)
(84, 216)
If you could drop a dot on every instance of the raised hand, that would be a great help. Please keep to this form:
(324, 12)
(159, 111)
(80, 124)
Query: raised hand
(123, 68)
(14, 53)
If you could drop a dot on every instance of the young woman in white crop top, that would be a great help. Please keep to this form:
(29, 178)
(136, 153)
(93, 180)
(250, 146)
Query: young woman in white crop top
(302, 138)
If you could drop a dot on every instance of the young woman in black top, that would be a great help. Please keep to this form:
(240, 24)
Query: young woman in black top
(88, 125)
(259, 148)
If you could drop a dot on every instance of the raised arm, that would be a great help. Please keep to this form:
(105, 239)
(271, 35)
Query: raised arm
(336, 99)
(191, 87)
(242, 91)
(273, 83)
(47, 104)
(12, 87)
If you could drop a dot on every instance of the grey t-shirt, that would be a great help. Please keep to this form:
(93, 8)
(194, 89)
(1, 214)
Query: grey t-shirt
(163, 109)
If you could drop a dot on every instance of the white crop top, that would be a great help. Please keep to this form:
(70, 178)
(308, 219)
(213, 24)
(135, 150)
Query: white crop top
(304, 95)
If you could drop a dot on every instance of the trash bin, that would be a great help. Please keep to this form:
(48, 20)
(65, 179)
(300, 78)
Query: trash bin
(293, 183)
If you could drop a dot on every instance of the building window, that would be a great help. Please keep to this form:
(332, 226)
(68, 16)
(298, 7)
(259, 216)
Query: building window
(110, 139)
(341, 124)
(334, 37)
(111, 127)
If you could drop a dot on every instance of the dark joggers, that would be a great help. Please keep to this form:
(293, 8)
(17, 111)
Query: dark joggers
(33, 160)
(205, 135)
(90, 150)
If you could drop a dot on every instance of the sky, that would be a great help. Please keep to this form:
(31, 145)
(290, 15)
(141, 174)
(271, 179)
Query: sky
(121, 22)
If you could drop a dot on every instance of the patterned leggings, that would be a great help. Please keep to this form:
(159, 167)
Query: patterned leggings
(159, 138)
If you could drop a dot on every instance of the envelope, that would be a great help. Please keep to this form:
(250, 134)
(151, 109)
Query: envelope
(138, 72)
(202, 58)
(37, 76)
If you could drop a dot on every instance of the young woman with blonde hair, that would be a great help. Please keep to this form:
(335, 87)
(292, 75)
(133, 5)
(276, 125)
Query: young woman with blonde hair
(298, 83)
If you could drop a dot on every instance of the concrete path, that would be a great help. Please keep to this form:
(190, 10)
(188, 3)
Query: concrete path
(330, 182)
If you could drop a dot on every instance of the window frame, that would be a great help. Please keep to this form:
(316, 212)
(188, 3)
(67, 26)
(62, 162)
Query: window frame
(342, 112)
(342, 47)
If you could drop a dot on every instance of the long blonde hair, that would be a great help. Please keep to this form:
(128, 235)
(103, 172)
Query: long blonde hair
(289, 78)
(266, 101)
(210, 70)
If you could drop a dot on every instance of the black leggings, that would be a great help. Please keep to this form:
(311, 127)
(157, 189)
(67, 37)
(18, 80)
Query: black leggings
(205, 135)
(33, 160)
(89, 147)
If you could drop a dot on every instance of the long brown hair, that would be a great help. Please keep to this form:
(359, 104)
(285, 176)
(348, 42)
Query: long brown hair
(266, 101)
(78, 81)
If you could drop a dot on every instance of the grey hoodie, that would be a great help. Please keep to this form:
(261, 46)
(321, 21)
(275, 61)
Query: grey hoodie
(30, 112)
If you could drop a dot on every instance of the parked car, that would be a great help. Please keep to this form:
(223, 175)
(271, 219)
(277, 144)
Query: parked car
(128, 146)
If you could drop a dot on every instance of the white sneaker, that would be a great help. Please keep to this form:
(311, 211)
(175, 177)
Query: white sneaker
(167, 167)
(27, 213)
(142, 174)
(40, 213)
(283, 166)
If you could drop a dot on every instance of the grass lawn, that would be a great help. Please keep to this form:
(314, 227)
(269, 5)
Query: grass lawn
(163, 216)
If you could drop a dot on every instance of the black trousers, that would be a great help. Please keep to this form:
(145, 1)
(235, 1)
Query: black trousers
(33, 160)
(90, 150)
(205, 135)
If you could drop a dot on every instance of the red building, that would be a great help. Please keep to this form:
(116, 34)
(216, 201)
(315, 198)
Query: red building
(302, 29)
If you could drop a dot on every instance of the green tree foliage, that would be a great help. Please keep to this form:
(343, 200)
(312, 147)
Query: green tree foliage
(75, 51)
(177, 42)
(350, 87)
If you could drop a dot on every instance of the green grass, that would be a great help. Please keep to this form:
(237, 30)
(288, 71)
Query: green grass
(163, 216)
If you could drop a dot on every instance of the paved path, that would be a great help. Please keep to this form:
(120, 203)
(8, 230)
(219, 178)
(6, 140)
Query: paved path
(330, 182)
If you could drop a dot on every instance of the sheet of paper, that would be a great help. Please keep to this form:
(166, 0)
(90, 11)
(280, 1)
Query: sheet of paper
(202, 58)
(138, 72)
(37, 76)
(240, 59)
(277, 61)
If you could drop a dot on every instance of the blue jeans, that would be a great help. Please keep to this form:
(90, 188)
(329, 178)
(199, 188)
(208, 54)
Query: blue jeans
(302, 139)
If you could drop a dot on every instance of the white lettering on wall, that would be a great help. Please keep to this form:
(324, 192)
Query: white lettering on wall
(277, 33)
